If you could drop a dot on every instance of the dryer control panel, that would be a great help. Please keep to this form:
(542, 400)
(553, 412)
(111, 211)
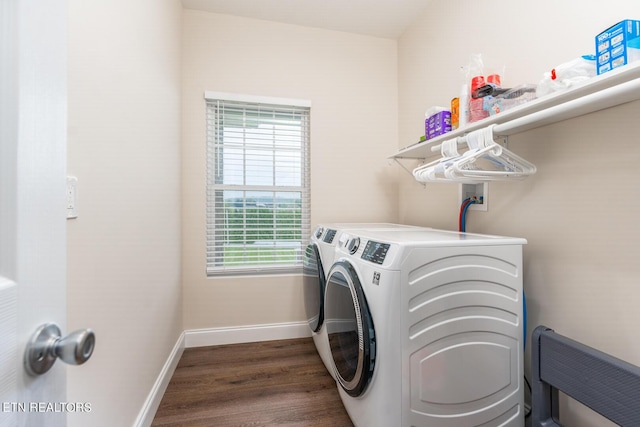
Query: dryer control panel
(375, 251)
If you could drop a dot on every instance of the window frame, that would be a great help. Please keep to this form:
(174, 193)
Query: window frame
(214, 248)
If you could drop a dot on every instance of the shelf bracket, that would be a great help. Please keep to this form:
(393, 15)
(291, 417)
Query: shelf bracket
(410, 172)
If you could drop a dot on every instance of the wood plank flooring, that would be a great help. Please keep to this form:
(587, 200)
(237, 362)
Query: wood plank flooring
(272, 383)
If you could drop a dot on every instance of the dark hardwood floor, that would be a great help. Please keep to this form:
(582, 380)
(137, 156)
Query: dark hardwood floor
(272, 383)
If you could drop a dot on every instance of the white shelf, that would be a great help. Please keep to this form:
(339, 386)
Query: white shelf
(608, 90)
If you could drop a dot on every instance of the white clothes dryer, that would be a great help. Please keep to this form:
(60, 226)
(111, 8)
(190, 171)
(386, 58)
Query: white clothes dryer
(425, 328)
(318, 259)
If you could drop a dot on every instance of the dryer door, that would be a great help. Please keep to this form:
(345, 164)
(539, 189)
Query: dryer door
(313, 287)
(350, 329)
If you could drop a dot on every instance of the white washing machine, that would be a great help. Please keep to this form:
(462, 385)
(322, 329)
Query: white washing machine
(319, 257)
(425, 328)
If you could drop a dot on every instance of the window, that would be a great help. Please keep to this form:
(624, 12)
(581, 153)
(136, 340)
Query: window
(257, 184)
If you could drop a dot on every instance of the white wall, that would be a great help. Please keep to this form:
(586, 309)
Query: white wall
(351, 81)
(579, 212)
(124, 247)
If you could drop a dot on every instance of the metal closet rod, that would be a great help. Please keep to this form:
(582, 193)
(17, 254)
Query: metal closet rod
(606, 98)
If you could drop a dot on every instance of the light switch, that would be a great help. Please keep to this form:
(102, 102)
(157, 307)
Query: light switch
(72, 197)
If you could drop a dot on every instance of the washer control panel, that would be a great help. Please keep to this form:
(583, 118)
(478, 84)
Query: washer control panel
(375, 251)
(329, 235)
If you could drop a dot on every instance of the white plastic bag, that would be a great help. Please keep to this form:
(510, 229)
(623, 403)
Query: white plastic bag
(566, 75)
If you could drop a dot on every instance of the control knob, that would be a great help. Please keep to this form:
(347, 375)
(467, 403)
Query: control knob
(353, 244)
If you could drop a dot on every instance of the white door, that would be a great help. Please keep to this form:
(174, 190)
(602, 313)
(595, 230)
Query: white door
(33, 99)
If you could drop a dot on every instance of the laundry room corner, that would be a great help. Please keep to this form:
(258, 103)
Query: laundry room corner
(577, 211)
(350, 81)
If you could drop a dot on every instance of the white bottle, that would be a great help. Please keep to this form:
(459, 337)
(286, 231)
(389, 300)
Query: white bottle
(464, 106)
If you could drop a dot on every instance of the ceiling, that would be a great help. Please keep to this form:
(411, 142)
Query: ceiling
(379, 18)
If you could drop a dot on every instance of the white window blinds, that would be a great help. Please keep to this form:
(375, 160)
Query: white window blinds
(257, 187)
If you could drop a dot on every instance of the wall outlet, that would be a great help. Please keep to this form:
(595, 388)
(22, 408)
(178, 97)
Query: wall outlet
(480, 190)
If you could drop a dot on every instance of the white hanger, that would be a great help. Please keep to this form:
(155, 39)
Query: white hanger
(486, 160)
(435, 171)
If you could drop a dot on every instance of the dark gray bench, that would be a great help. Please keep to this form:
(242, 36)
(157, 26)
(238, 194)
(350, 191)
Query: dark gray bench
(605, 384)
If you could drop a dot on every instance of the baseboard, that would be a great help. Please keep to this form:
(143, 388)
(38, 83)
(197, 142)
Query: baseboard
(213, 336)
(148, 411)
(242, 334)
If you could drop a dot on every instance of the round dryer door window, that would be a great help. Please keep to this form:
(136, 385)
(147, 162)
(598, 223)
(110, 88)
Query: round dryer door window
(349, 328)
(313, 287)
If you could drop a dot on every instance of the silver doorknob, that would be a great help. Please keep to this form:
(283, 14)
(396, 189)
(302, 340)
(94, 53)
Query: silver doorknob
(47, 344)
